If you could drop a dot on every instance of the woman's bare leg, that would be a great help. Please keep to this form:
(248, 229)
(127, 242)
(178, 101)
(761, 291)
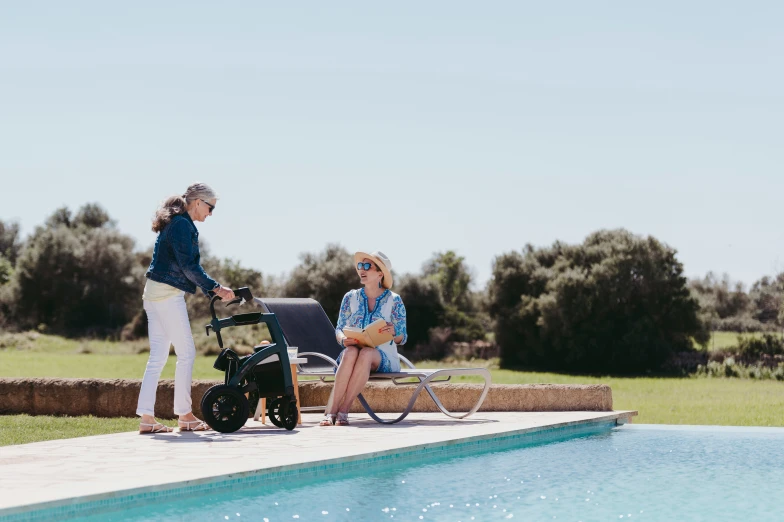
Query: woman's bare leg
(368, 360)
(342, 377)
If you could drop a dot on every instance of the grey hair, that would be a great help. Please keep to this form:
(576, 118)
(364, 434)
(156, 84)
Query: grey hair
(198, 191)
(176, 205)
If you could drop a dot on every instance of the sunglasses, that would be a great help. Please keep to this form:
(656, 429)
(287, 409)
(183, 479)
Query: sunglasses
(364, 266)
(211, 207)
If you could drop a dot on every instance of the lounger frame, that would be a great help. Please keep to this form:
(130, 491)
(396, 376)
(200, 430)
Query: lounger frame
(424, 378)
(306, 325)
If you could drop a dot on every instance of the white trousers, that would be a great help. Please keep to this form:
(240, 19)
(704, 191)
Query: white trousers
(168, 324)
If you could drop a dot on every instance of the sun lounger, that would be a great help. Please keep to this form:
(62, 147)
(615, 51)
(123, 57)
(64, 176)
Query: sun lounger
(306, 325)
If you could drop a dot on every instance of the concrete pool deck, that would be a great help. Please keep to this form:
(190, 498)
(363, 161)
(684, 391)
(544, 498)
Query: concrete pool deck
(63, 473)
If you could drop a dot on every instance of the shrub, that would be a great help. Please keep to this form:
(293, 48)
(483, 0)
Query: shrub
(227, 272)
(756, 347)
(325, 277)
(424, 308)
(6, 270)
(461, 313)
(741, 324)
(435, 348)
(136, 328)
(720, 297)
(731, 369)
(616, 303)
(473, 350)
(75, 278)
(726, 306)
(767, 296)
(10, 242)
(18, 341)
(439, 347)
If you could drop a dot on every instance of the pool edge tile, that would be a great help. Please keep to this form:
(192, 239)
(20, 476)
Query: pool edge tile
(108, 501)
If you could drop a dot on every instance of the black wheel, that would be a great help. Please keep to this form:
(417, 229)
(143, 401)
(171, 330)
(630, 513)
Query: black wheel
(274, 412)
(290, 416)
(225, 408)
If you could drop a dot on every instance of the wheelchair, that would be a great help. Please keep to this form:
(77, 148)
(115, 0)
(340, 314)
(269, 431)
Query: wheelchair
(265, 373)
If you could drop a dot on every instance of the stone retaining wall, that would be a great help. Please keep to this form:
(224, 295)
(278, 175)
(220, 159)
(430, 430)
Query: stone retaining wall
(117, 397)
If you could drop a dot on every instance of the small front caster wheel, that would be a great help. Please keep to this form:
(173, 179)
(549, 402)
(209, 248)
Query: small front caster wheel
(290, 416)
(274, 408)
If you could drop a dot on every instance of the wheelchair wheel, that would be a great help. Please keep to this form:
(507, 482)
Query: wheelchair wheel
(290, 419)
(225, 408)
(274, 413)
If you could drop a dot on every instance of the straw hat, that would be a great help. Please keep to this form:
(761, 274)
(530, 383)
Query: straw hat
(381, 261)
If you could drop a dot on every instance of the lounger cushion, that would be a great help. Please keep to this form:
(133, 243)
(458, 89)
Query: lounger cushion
(306, 326)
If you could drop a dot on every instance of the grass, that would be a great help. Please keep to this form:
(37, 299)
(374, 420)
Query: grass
(34, 342)
(663, 400)
(721, 340)
(22, 429)
(102, 366)
(242, 341)
(659, 400)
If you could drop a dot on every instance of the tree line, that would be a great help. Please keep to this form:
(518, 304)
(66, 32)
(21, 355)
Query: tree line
(616, 302)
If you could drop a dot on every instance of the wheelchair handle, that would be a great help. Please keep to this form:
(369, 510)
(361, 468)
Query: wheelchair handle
(241, 295)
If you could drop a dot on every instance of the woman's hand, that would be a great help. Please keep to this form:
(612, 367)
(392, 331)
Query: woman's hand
(225, 293)
(389, 328)
(348, 341)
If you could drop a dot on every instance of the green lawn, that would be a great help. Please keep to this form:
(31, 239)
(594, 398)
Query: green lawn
(659, 400)
(21, 429)
(42, 343)
(124, 366)
(662, 400)
(721, 340)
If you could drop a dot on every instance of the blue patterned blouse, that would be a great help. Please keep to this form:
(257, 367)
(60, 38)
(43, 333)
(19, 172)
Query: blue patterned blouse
(363, 317)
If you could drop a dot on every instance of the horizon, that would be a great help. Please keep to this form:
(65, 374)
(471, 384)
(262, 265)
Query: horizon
(475, 284)
(410, 129)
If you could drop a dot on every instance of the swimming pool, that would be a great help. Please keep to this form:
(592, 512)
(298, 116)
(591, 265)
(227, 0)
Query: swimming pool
(631, 472)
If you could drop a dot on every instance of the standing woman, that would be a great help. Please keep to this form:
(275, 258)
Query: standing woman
(174, 270)
(359, 308)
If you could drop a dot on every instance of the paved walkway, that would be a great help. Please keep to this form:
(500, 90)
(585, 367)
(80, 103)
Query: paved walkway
(54, 471)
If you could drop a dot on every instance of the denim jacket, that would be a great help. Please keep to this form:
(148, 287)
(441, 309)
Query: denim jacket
(176, 258)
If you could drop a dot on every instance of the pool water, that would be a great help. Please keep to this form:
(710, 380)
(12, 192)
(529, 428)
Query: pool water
(628, 473)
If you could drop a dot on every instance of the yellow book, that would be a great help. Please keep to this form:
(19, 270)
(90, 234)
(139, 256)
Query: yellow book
(369, 336)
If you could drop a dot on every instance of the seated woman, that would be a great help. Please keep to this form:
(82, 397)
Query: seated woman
(360, 308)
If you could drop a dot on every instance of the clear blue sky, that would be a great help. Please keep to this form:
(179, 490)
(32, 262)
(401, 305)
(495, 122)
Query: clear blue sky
(409, 127)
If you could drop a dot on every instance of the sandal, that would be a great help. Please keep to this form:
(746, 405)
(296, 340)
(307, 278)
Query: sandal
(156, 427)
(342, 419)
(194, 425)
(328, 420)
